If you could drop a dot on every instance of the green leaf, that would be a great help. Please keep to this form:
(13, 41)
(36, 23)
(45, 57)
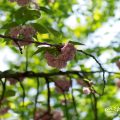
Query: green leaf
(115, 59)
(9, 25)
(75, 43)
(41, 49)
(23, 15)
(54, 32)
(9, 93)
(117, 49)
(46, 10)
(40, 28)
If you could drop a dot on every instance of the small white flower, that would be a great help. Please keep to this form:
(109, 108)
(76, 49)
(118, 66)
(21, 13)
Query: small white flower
(86, 90)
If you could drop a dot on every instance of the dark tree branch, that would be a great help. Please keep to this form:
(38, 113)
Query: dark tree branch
(23, 90)
(16, 40)
(74, 102)
(13, 74)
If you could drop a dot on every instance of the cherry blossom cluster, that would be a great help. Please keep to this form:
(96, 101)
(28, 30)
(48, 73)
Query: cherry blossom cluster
(62, 85)
(67, 53)
(21, 2)
(55, 115)
(4, 110)
(26, 32)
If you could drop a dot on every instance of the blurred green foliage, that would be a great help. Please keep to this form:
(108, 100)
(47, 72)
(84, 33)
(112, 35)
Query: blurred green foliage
(49, 21)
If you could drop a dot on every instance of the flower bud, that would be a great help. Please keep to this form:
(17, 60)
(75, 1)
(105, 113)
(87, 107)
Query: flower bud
(86, 90)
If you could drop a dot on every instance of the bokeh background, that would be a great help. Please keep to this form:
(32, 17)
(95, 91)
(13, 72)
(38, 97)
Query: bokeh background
(96, 24)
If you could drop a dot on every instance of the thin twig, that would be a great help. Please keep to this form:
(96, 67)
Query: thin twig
(23, 90)
(73, 98)
(66, 108)
(21, 40)
(48, 94)
(3, 89)
(103, 70)
(95, 107)
(18, 46)
(36, 97)
(26, 55)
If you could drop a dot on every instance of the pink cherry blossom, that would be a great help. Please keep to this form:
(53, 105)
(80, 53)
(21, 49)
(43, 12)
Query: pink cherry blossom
(14, 32)
(67, 53)
(4, 110)
(54, 61)
(62, 85)
(26, 32)
(57, 115)
(41, 114)
(21, 2)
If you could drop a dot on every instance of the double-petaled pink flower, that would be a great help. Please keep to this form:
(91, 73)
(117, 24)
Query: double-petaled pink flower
(54, 115)
(4, 110)
(57, 115)
(25, 32)
(67, 53)
(21, 2)
(62, 85)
